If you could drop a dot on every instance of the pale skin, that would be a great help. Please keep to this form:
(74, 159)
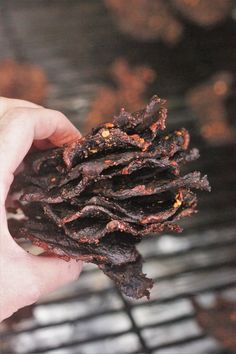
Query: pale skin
(25, 278)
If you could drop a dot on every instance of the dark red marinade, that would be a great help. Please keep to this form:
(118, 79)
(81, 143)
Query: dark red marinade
(96, 198)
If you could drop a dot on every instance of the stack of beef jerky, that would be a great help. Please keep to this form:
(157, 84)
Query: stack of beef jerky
(96, 198)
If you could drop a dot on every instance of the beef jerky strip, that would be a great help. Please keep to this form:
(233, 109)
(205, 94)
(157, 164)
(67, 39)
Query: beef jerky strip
(184, 204)
(107, 139)
(191, 180)
(127, 210)
(129, 278)
(72, 189)
(155, 213)
(110, 137)
(96, 169)
(79, 227)
(37, 161)
(149, 120)
(84, 231)
(114, 249)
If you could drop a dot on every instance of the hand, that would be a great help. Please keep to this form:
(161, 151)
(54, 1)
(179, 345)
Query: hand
(24, 278)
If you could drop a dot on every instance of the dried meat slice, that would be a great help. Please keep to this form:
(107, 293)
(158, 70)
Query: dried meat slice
(112, 190)
(105, 140)
(111, 165)
(113, 249)
(129, 278)
(148, 121)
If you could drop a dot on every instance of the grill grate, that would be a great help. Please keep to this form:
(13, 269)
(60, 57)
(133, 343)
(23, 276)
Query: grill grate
(91, 316)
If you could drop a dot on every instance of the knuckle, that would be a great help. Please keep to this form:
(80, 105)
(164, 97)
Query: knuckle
(59, 115)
